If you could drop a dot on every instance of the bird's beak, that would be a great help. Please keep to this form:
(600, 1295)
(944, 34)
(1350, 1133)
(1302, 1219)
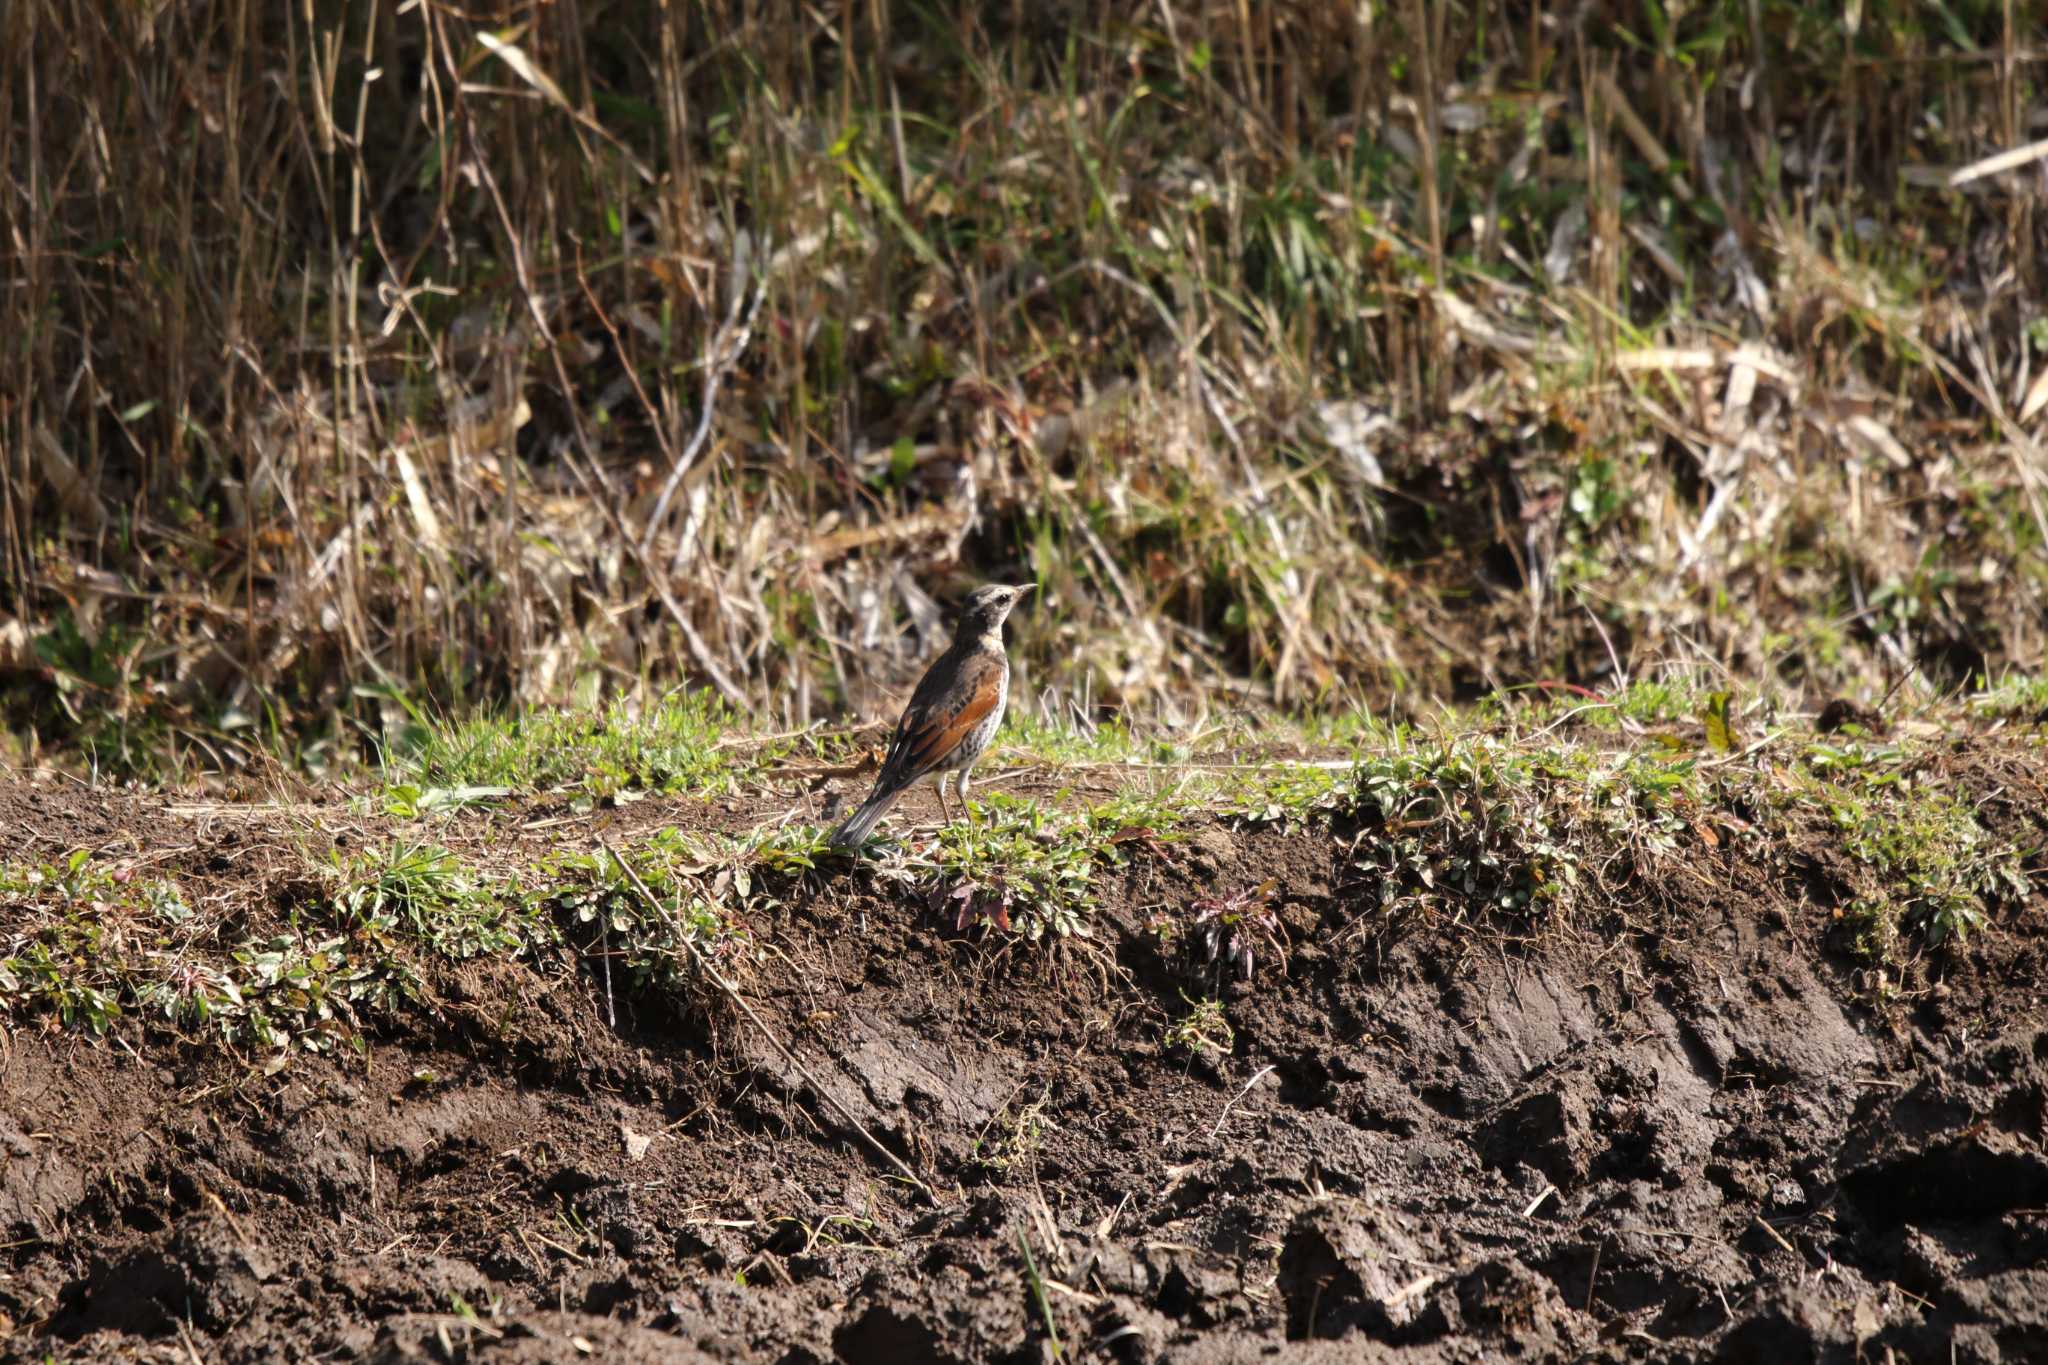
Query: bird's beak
(1021, 588)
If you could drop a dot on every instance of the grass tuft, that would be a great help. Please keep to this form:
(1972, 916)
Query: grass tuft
(677, 746)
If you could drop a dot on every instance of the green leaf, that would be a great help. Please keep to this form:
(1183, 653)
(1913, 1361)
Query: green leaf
(885, 203)
(1720, 734)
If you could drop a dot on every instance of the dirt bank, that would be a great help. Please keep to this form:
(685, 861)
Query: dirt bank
(1698, 1128)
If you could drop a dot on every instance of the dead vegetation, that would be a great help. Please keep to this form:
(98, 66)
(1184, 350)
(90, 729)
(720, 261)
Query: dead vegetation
(374, 359)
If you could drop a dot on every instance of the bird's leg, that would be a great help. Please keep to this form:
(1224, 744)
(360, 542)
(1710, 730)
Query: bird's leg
(961, 787)
(944, 809)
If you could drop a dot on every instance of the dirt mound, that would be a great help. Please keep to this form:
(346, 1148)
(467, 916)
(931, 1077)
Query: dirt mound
(1694, 1134)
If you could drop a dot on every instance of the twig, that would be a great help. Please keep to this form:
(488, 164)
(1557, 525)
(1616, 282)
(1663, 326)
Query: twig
(1892, 691)
(241, 1235)
(1779, 1238)
(1102, 1229)
(1257, 1076)
(732, 993)
(1415, 1288)
(2003, 161)
(725, 350)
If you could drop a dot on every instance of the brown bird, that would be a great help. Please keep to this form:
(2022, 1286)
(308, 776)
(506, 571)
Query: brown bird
(951, 717)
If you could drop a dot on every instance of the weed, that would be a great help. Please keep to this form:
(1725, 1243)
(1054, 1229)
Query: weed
(1234, 929)
(424, 894)
(788, 850)
(1284, 791)
(1474, 822)
(1932, 864)
(1038, 1294)
(794, 1237)
(2017, 697)
(703, 889)
(404, 801)
(93, 943)
(1019, 1141)
(1135, 817)
(1055, 745)
(1204, 1028)
(1022, 866)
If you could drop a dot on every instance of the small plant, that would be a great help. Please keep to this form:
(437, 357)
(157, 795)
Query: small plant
(1283, 791)
(405, 801)
(1135, 819)
(1931, 862)
(702, 889)
(95, 944)
(1021, 866)
(1472, 822)
(2021, 698)
(1020, 1140)
(786, 849)
(1203, 1029)
(424, 893)
(1110, 742)
(1236, 928)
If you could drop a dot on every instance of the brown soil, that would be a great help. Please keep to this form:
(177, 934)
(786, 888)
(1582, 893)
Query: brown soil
(1696, 1133)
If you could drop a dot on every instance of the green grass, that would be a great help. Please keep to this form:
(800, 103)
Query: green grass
(1056, 745)
(1030, 867)
(705, 889)
(1476, 822)
(1279, 793)
(1929, 863)
(425, 894)
(1022, 866)
(2016, 697)
(92, 942)
(680, 745)
(1498, 821)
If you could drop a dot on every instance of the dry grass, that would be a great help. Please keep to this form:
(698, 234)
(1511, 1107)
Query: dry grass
(369, 357)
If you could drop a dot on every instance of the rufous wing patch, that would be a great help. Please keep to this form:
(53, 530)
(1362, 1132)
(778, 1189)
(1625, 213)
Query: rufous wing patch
(929, 733)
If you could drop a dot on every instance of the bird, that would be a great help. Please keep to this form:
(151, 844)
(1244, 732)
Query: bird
(952, 715)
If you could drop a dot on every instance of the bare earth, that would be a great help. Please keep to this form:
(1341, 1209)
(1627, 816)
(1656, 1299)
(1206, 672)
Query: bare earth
(1697, 1131)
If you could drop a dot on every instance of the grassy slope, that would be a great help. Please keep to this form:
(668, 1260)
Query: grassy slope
(1520, 822)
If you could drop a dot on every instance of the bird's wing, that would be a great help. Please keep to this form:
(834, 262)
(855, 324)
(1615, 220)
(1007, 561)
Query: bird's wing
(942, 712)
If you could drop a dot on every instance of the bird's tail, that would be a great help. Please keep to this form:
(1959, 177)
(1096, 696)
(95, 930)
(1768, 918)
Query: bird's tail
(854, 832)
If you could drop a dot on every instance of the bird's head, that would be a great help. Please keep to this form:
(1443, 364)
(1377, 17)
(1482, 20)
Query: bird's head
(988, 607)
